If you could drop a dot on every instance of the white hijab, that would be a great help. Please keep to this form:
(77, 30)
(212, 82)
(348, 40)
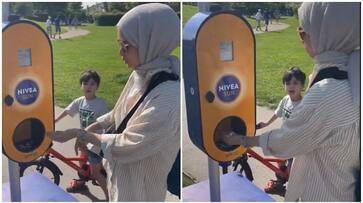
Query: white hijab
(154, 29)
(334, 30)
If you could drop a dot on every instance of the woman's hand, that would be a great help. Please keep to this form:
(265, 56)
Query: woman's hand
(63, 136)
(232, 138)
(261, 125)
(78, 146)
(246, 141)
(94, 127)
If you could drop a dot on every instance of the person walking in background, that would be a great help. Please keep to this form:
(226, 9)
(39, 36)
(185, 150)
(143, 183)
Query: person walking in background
(68, 21)
(277, 15)
(266, 17)
(57, 23)
(271, 16)
(258, 18)
(48, 25)
(323, 133)
(75, 22)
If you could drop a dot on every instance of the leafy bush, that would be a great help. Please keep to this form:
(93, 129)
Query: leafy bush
(42, 17)
(13, 17)
(108, 19)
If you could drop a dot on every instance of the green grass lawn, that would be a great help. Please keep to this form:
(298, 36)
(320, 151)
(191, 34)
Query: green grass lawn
(188, 12)
(275, 53)
(97, 51)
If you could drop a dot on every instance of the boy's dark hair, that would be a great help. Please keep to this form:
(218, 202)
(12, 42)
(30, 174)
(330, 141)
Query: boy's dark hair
(296, 73)
(87, 75)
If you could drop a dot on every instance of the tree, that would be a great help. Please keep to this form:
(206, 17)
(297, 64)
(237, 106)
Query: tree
(41, 10)
(105, 6)
(51, 8)
(74, 7)
(250, 8)
(191, 3)
(121, 7)
(293, 7)
(174, 5)
(22, 8)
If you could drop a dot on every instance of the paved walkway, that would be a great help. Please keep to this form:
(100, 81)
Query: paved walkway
(71, 33)
(272, 28)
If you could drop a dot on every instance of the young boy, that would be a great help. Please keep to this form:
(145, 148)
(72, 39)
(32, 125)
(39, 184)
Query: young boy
(89, 108)
(293, 81)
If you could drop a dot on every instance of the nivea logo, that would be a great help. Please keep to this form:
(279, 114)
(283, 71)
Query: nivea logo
(228, 88)
(26, 92)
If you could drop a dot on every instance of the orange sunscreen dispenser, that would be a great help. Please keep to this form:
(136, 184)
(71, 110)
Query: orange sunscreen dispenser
(219, 77)
(28, 110)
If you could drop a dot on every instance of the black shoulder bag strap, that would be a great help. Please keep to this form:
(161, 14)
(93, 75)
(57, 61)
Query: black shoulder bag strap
(332, 72)
(155, 80)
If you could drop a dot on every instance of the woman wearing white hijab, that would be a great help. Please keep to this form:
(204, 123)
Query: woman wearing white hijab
(139, 159)
(323, 132)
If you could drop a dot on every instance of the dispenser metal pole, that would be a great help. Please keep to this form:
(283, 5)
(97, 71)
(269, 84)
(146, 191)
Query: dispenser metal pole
(214, 181)
(14, 181)
(213, 166)
(14, 176)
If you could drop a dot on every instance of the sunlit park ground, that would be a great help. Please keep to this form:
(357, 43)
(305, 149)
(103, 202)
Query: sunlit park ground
(98, 51)
(275, 53)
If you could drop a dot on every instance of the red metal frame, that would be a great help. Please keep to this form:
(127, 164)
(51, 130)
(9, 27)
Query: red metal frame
(69, 161)
(267, 162)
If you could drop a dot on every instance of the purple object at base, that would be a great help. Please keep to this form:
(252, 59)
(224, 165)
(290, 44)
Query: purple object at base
(234, 188)
(37, 188)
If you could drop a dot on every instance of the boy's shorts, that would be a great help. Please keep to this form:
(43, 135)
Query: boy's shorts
(94, 158)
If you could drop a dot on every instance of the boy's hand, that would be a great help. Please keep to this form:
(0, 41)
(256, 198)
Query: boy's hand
(261, 125)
